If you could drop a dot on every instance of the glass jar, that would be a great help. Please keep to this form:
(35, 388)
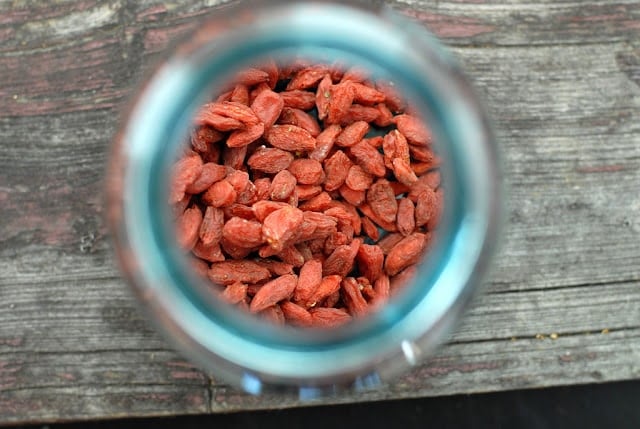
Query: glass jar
(235, 347)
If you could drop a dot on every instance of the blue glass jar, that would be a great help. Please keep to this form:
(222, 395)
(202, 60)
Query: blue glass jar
(234, 346)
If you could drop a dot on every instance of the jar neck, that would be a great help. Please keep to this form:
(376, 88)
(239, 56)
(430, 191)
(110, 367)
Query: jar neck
(387, 46)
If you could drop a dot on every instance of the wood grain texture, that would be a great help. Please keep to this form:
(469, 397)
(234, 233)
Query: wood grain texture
(561, 80)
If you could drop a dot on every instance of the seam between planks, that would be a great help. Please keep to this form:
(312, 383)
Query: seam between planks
(560, 334)
(516, 7)
(488, 290)
(533, 44)
(103, 386)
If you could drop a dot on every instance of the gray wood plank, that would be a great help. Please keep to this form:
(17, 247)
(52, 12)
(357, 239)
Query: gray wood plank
(571, 146)
(107, 359)
(525, 23)
(493, 365)
(80, 317)
(562, 83)
(576, 191)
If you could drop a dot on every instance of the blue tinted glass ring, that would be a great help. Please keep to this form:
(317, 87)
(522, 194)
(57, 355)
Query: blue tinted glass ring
(235, 347)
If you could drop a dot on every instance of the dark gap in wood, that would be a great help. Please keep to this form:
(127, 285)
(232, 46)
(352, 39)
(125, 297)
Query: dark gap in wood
(455, 44)
(553, 288)
(103, 386)
(85, 352)
(560, 336)
(65, 281)
(209, 398)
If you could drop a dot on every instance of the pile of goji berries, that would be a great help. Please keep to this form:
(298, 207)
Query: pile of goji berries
(308, 193)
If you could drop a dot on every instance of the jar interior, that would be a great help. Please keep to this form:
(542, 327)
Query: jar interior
(293, 63)
(234, 343)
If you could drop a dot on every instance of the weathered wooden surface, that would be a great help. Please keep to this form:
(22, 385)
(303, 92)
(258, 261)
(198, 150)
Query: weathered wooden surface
(561, 80)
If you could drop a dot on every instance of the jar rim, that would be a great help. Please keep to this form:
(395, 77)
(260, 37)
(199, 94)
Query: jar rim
(252, 360)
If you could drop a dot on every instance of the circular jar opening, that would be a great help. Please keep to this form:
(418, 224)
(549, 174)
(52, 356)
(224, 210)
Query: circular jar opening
(195, 97)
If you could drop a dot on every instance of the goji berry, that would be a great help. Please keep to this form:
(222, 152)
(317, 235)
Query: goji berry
(307, 171)
(203, 137)
(323, 317)
(370, 260)
(368, 158)
(328, 285)
(276, 268)
(296, 315)
(353, 297)
(382, 201)
(220, 194)
(282, 186)
(352, 197)
(406, 220)
(406, 252)
(267, 107)
(209, 174)
(336, 169)
(243, 233)
(341, 260)
(237, 111)
(370, 229)
(291, 138)
(211, 227)
(306, 192)
(352, 134)
(340, 101)
(299, 99)
(323, 96)
(251, 76)
(308, 281)
(270, 160)
(318, 203)
(240, 94)
(403, 172)
(413, 129)
(188, 226)
(229, 272)
(358, 179)
(281, 226)
(185, 172)
(357, 113)
(300, 119)
(307, 78)
(211, 252)
(273, 292)
(382, 288)
(218, 122)
(234, 293)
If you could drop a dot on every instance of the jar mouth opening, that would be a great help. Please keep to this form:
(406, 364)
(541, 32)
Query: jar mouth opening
(246, 325)
(162, 116)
